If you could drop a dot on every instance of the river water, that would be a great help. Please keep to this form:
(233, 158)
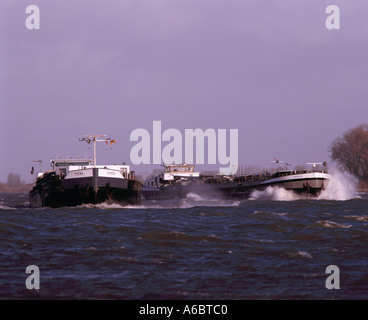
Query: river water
(272, 246)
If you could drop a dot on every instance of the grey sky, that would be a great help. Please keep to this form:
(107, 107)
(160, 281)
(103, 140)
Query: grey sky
(269, 68)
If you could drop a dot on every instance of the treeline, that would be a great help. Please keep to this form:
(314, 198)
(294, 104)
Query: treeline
(350, 151)
(14, 184)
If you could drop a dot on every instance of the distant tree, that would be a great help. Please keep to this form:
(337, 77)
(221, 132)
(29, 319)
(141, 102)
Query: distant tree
(13, 180)
(351, 151)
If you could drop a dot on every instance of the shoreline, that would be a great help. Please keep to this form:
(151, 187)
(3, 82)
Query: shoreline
(25, 188)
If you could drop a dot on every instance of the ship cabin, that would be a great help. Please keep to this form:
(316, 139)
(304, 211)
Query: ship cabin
(172, 172)
(62, 167)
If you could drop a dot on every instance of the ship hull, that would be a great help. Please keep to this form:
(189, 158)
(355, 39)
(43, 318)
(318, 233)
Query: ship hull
(89, 189)
(310, 184)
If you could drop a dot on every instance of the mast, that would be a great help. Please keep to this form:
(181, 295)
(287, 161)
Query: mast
(276, 161)
(96, 138)
(39, 161)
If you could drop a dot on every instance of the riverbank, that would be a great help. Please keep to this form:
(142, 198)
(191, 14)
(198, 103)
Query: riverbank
(5, 188)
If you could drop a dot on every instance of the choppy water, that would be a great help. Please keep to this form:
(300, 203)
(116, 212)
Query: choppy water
(273, 246)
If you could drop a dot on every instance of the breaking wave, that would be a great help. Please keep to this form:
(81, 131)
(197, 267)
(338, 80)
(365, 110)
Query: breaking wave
(190, 201)
(194, 199)
(104, 205)
(274, 194)
(341, 186)
(2, 207)
(194, 196)
(331, 224)
(300, 254)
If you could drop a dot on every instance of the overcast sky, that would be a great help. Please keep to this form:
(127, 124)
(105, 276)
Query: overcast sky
(269, 68)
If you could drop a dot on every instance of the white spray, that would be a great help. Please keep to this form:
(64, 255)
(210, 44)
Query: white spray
(341, 186)
(274, 194)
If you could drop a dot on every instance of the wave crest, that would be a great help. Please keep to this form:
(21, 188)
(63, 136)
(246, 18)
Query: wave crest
(332, 224)
(2, 207)
(274, 194)
(341, 186)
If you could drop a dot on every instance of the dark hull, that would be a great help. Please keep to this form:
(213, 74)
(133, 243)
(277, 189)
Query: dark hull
(232, 190)
(53, 192)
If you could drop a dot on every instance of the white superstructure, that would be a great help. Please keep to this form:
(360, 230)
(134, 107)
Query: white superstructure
(78, 168)
(172, 172)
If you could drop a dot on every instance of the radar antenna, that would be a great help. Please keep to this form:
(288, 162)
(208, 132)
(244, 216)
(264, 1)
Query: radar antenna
(276, 161)
(96, 138)
(39, 161)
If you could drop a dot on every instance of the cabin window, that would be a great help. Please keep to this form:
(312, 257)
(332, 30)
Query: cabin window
(62, 173)
(123, 172)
